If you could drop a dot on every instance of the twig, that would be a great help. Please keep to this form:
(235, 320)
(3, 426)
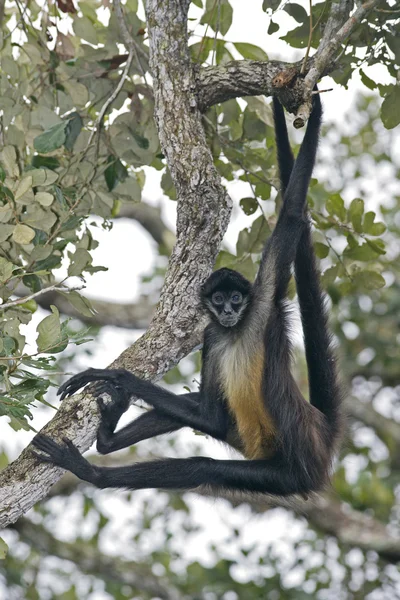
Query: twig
(325, 54)
(57, 287)
(128, 40)
(303, 66)
(321, 91)
(110, 99)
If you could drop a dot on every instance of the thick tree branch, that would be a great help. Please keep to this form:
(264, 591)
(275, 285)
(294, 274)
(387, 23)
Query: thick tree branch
(89, 560)
(236, 79)
(203, 214)
(250, 78)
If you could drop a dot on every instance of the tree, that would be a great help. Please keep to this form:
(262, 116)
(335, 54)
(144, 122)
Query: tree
(66, 156)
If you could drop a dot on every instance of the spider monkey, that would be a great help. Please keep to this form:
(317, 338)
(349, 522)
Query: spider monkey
(248, 397)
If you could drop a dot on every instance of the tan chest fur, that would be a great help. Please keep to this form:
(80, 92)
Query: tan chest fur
(241, 370)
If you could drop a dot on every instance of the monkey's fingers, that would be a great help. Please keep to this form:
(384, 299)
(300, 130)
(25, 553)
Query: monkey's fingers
(65, 456)
(77, 382)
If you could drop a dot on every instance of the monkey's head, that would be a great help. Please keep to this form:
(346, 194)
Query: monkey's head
(226, 295)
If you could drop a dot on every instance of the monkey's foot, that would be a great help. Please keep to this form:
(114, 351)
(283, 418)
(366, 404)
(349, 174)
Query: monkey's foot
(66, 456)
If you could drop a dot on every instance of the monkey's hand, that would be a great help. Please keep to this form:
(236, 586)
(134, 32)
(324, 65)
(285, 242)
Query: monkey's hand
(66, 456)
(77, 382)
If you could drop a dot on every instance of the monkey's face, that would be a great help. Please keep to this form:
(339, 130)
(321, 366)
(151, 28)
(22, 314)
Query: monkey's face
(227, 306)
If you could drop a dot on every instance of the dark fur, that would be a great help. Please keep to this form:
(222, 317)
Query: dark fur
(304, 434)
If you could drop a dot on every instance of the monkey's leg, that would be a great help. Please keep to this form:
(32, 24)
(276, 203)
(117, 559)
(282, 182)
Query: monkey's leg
(271, 476)
(187, 411)
(147, 425)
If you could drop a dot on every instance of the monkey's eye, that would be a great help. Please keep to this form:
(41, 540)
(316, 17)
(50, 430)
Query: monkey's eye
(217, 298)
(236, 298)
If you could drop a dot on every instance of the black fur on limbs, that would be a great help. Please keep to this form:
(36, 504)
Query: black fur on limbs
(247, 397)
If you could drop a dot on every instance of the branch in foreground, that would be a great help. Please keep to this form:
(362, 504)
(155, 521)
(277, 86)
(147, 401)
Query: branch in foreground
(91, 561)
(203, 215)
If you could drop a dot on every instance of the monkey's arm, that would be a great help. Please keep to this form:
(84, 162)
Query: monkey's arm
(281, 248)
(325, 393)
(147, 425)
(284, 151)
(185, 410)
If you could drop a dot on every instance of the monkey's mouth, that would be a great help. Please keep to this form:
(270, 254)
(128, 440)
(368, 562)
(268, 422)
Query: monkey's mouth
(228, 321)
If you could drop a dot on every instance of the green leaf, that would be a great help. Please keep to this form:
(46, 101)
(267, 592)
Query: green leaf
(251, 51)
(335, 206)
(168, 186)
(270, 4)
(3, 549)
(50, 162)
(44, 198)
(259, 233)
(321, 250)
(390, 113)
(43, 177)
(38, 218)
(296, 11)
(248, 205)
(377, 246)
(329, 275)
(79, 260)
(23, 234)
(225, 259)
(81, 303)
(9, 159)
(364, 252)
(218, 15)
(72, 130)
(24, 185)
(78, 92)
(273, 27)
(5, 232)
(355, 213)
(371, 280)
(115, 172)
(370, 227)
(50, 338)
(84, 29)
(367, 81)
(298, 37)
(247, 268)
(32, 282)
(51, 139)
(6, 269)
